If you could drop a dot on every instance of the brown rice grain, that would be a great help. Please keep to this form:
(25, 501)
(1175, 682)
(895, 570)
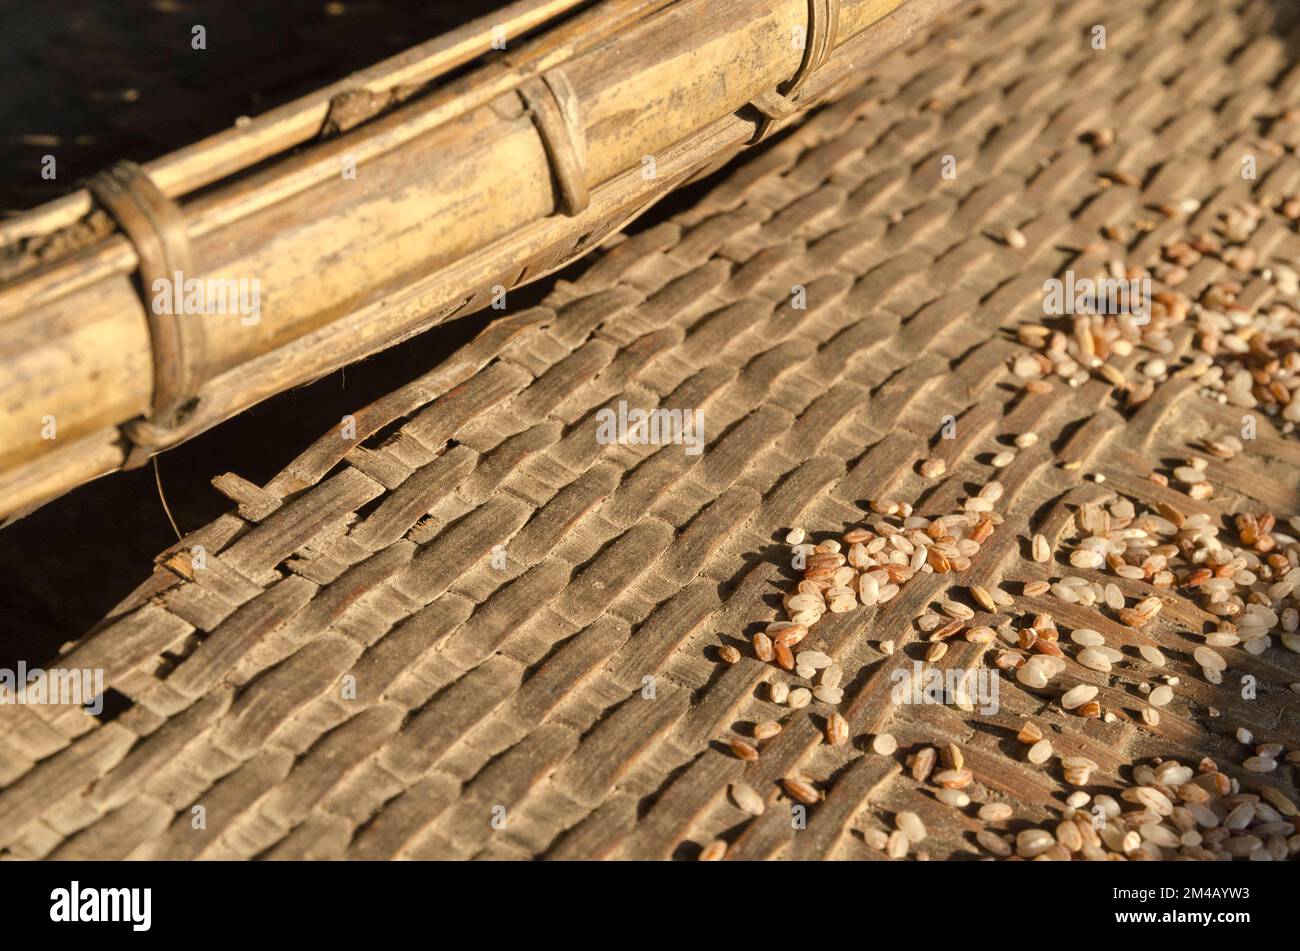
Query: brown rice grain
(923, 764)
(714, 851)
(744, 751)
(801, 790)
(1030, 733)
(837, 730)
(954, 778)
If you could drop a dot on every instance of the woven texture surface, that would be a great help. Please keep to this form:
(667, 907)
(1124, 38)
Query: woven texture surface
(517, 680)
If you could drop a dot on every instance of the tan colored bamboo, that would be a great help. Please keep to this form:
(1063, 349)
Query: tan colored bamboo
(454, 194)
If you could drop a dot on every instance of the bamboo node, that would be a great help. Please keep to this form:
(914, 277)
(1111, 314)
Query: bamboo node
(156, 228)
(553, 105)
(819, 42)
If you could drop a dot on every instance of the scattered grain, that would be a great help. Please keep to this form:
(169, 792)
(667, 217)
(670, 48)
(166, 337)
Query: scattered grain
(801, 791)
(910, 824)
(744, 751)
(747, 799)
(993, 842)
(995, 812)
(954, 778)
(1033, 842)
(884, 744)
(1078, 696)
(831, 695)
(933, 468)
(923, 764)
(897, 846)
(714, 851)
(1086, 637)
(953, 797)
(837, 730)
(1152, 655)
(1030, 733)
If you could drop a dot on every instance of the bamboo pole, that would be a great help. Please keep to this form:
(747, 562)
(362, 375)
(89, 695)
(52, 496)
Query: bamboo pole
(454, 193)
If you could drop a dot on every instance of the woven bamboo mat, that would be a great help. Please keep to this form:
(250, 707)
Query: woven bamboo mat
(440, 640)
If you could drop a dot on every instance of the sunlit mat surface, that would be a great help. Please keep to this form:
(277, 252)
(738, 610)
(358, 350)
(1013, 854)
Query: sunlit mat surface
(483, 632)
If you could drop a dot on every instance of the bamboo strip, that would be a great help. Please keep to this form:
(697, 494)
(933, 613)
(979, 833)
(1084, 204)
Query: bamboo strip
(279, 130)
(25, 488)
(302, 172)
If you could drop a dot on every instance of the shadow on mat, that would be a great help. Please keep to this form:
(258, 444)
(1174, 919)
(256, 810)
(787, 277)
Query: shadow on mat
(1285, 16)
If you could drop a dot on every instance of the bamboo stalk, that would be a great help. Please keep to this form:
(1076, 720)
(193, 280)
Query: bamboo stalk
(279, 130)
(302, 172)
(454, 194)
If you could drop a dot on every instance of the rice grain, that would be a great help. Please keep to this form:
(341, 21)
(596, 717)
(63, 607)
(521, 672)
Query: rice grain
(747, 799)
